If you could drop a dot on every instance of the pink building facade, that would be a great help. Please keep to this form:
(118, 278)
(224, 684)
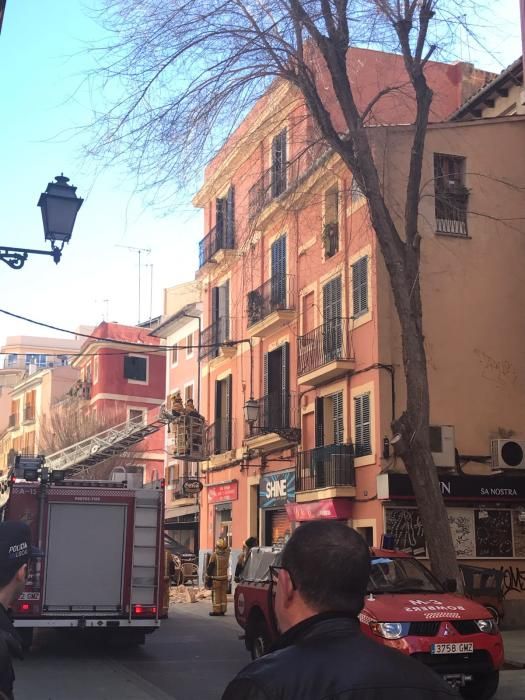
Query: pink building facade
(180, 333)
(124, 380)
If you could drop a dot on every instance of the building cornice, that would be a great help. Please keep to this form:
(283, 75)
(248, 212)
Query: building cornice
(245, 145)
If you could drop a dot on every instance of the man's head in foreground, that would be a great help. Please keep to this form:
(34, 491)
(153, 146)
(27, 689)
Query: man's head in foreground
(15, 555)
(324, 568)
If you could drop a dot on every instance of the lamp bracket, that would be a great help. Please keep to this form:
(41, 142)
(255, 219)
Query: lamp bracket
(16, 257)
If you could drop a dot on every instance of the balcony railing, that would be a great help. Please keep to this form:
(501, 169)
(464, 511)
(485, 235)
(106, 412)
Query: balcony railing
(277, 413)
(322, 467)
(29, 413)
(451, 211)
(276, 294)
(13, 420)
(213, 337)
(324, 344)
(220, 436)
(275, 181)
(217, 239)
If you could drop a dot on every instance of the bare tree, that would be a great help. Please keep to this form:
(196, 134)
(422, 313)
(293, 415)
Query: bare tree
(181, 75)
(70, 421)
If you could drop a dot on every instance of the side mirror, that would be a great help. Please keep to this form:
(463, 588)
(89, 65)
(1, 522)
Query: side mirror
(450, 585)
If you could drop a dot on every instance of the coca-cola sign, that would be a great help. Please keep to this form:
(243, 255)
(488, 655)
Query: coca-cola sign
(192, 486)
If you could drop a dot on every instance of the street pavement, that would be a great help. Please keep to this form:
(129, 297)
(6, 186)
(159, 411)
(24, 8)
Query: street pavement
(192, 657)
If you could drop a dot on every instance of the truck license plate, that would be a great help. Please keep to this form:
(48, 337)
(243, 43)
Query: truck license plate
(453, 648)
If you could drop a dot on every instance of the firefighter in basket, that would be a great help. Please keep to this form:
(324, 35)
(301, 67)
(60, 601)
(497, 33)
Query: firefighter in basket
(217, 577)
(194, 429)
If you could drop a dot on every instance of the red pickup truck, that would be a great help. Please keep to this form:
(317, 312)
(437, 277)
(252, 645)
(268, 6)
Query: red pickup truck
(405, 608)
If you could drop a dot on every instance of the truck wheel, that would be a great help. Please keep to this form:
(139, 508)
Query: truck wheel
(482, 687)
(259, 640)
(26, 636)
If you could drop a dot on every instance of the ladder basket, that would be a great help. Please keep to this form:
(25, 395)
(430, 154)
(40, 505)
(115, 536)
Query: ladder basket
(190, 438)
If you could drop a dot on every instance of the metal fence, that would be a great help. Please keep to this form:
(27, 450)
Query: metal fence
(324, 344)
(277, 413)
(216, 239)
(213, 337)
(276, 294)
(329, 465)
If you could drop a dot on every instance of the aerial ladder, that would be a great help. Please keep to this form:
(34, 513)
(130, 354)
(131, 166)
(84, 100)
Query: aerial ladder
(190, 444)
(190, 441)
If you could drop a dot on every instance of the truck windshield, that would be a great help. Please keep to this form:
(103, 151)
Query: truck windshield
(401, 575)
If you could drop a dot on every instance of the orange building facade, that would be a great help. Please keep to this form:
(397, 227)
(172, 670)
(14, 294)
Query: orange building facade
(300, 335)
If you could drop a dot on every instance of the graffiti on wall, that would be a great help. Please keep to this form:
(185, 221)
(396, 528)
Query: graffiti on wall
(461, 523)
(407, 528)
(513, 579)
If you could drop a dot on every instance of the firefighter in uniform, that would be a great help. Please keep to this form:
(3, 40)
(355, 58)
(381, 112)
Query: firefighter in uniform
(217, 575)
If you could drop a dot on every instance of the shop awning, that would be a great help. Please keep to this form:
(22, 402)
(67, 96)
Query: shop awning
(325, 509)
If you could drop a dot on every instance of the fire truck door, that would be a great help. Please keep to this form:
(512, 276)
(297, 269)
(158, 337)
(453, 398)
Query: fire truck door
(84, 557)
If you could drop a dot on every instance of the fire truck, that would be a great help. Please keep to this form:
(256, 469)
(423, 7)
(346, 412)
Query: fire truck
(103, 562)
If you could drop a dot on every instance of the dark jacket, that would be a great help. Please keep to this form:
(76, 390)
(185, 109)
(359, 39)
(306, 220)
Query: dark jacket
(10, 647)
(327, 657)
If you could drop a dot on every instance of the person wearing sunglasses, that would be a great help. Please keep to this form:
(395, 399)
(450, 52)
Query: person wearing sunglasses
(16, 553)
(319, 588)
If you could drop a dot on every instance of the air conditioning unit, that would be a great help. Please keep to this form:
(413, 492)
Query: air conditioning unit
(508, 454)
(443, 445)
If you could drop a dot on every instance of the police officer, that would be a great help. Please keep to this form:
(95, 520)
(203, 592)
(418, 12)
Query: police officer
(15, 555)
(217, 573)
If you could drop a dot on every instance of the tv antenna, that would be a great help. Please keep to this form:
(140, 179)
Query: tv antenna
(139, 252)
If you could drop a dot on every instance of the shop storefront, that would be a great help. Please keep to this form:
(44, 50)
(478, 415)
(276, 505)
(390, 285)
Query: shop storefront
(276, 490)
(487, 521)
(220, 502)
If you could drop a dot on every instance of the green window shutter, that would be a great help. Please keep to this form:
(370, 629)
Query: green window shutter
(337, 417)
(363, 436)
(360, 286)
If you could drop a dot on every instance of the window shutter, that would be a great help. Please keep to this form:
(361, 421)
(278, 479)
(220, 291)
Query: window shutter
(285, 384)
(319, 422)
(362, 425)
(214, 304)
(360, 286)
(265, 374)
(219, 220)
(230, 218)
(279, 164)
(278, 282)
(224, 311)
(337, 417)
(228, 387)
(332, 300)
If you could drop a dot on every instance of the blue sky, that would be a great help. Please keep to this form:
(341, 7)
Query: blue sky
(42, 59)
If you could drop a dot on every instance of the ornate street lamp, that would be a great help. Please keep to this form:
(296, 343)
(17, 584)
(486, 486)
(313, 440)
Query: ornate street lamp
(251, 412)
(59, 205)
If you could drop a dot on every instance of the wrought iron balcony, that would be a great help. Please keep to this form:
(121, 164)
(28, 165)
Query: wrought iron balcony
(325, 352)
(326, 466)
(217, 239)
(213, 337)
(276, 295)
(275, 181)
(451, 210)
(219, 436)
(278, 413)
